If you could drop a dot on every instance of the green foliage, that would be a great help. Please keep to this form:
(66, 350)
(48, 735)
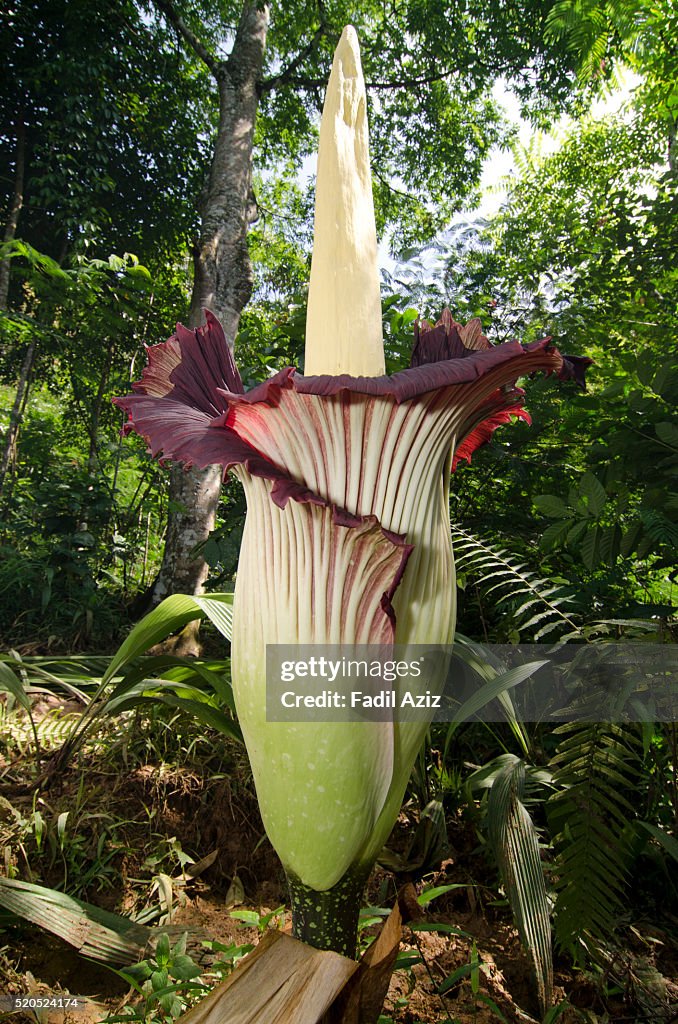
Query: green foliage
(585, 852)
(398, 324)
(262, 922)
(164, 981)
(428, 69)
(515, 841)
(76, 848)
(200, 688)
(600, 33)
(133, 177)
(75, 515)
(532, 607)
(582, 250)
(595, 774)
(280, 241)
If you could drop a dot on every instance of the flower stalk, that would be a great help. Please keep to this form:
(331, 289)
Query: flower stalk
(328, 919)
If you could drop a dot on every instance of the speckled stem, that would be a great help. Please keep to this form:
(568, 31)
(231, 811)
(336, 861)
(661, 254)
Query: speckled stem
(329, 919)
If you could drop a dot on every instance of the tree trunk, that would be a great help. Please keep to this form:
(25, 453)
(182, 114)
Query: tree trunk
(95, 417)
(222, 277)
(15, 206)
(16, 415)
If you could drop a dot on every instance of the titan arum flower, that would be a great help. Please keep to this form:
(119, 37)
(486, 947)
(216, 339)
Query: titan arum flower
(347, 537)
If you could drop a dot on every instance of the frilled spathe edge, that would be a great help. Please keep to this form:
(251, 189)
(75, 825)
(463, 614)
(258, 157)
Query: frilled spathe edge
(196, 367)
(407, 385)
(191, 368)
(184, 403)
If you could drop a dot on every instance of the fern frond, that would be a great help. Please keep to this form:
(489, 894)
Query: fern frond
(53, 730)
(533, 601)
(595, 765)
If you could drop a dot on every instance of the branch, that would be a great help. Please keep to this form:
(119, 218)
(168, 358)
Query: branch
(167, 8)
(406, 83)
(286, 76)
(298, 82)
(392, 188)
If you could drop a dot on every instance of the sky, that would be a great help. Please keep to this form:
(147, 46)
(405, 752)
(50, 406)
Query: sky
(501, 163)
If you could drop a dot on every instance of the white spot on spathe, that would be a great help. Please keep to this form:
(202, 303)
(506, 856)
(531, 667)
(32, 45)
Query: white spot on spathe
(320, 789)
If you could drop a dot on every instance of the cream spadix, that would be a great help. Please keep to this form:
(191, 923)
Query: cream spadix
(347, 533)
(343, 323)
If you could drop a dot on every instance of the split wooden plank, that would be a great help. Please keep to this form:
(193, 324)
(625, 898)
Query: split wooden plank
(282, 981)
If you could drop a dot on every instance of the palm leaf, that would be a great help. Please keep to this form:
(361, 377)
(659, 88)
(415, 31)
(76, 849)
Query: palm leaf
(515, 841)
(95, 933)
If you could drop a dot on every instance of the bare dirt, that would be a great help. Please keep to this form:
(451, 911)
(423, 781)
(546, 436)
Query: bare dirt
(151, 814)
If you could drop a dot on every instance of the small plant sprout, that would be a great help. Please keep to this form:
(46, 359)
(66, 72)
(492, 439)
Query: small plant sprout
(165, 981)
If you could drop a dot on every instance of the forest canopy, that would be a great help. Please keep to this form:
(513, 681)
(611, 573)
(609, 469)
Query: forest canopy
(109, 146)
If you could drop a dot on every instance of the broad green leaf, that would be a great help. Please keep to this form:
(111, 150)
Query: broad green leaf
(183, 968)
(609, 544)
(576, 532)
(428, 895)
(594, 492)
(552, 506)
(169, 617)
(589, 548)
(219, 610)
(613, 390)
(668, 433)
(630, 539)
(554, 533)
(669, 843)
(247, 916)
(159, 979)
(162, 949)
(10, 683)
(495, 689)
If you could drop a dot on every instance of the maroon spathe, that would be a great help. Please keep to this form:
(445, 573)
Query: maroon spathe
(186, 403)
